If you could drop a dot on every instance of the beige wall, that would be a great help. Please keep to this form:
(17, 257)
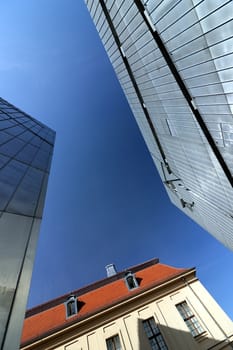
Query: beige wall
(174, 330)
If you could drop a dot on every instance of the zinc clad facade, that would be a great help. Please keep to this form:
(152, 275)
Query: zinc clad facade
(174, 62)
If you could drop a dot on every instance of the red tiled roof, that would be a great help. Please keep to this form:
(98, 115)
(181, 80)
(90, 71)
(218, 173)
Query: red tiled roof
(51, 316)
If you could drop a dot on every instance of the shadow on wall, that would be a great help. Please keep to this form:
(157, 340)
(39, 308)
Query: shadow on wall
(176, 339)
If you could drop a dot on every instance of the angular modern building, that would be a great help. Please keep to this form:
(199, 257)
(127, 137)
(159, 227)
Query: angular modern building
(150, 306)
(174, 62)
(26, 148)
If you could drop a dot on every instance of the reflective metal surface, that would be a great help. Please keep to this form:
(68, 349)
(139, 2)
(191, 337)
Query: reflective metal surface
(26, 148)
(174, 62)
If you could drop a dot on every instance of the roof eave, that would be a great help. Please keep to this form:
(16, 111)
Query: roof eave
(61, 330)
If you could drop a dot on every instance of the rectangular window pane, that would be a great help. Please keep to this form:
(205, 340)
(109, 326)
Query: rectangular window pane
(154, 335)
(190, 319)
(113, 343)
(71, 306)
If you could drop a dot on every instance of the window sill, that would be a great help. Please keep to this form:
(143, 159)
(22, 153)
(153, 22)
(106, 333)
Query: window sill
(200, 337)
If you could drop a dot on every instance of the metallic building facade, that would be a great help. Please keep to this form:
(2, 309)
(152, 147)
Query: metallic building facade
(26, 148)
(174, 61)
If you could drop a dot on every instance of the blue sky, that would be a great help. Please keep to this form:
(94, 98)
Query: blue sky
(105, 202)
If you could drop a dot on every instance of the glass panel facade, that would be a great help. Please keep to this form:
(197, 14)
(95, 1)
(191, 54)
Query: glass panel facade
(174, 62)
(26, 148)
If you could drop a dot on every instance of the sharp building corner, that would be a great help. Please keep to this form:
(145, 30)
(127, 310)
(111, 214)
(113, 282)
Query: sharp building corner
(26, 149)
(174, 60)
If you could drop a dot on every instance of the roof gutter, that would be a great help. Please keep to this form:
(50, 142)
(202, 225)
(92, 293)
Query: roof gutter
(60, 331)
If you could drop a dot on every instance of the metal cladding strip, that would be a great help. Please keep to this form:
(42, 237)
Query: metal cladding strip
(184, 90)
(128, 68)
(16, 287)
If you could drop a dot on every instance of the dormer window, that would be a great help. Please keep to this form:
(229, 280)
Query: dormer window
(71, 306)
(130, 280)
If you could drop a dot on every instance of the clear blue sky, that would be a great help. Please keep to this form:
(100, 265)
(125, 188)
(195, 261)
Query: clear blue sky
(105, 201)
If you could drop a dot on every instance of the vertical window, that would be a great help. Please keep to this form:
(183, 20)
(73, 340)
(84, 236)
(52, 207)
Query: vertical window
(71, 306)
(171, 128)
(227, 133)
(130, 280)
(113, 343)
(190, 319)
(154, 335)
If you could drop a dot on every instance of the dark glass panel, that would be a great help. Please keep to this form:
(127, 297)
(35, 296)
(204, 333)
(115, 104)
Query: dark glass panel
(4, 124)
(36, 141)
(43, 133)
(12, 147)
(35, 128)
(26, 136)
(49, 160)
(4, 137)
(15, 130)
(50, 137)
(21, 119)
(26, 197)
(41, 160)
(9, 110)
(3, 160)
(46, 147)
(3, 116)
(10, 176)
(27, 154)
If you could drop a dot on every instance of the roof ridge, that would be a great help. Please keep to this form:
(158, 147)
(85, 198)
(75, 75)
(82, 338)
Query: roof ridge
(100, 283)
(173, 274)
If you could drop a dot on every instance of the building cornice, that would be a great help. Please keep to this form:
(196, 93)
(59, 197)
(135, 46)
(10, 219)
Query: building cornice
(55, 337)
